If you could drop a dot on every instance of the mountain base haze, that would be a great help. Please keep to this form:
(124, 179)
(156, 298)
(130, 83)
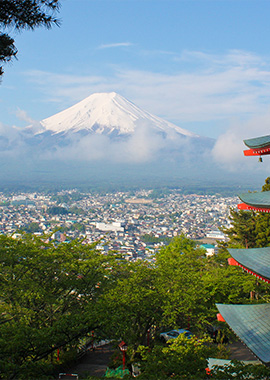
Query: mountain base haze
(106, 139)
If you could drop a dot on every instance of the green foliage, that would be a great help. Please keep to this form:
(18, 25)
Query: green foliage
(68, 198)
(182, 358)
(51, 296)
(132, 304)
(179, 269)
(76, 210)
(150, 239)
(23, 14)
(266, 186)
(57, 210)
(31, 228)
(249, 229)
(49, 299)
(241, 371)
(78, 227)
(242, 234)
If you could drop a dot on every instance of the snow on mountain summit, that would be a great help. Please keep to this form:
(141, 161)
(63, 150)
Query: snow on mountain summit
(107, 113)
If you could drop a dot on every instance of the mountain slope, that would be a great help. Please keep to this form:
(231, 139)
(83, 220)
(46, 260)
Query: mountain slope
(109, 114)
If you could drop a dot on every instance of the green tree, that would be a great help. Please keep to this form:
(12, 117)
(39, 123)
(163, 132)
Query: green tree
(181, 358)
(249, 229)
(179, 269)
(241, 371)
(242, 233)
(32, 227)
(49, 299)
(132, 304)
(23, 14)
(57, 210)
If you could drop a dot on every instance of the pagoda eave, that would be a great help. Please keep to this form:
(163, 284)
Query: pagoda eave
(232, 261)
(257, 152)
(246, 207)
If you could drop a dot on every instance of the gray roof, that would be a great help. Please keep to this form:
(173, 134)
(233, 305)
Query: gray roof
(258, 199)
(255, 259)
(251, 323)
(258, 142)
(224, 362)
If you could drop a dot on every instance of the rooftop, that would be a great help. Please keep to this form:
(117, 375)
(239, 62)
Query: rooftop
(255, 259)
(251, 324)
(258, 199)
(258, 142)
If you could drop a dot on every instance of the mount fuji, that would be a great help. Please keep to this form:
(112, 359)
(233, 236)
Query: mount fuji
(104, 135)
(106, 113)
(107, 126)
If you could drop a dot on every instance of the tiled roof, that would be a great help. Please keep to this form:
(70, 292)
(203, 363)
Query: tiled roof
(251, 324)
(258, 199)
(258, 142)
(255, 259)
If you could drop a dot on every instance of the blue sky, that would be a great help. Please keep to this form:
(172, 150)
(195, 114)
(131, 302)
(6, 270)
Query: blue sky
(203, 65)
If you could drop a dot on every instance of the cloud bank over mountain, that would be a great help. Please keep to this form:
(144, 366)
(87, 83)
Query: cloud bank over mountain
(104, 136)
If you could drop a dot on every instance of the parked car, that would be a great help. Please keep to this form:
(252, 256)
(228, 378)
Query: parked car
(172, 334)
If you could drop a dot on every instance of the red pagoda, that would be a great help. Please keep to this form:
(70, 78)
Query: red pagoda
(251, 323)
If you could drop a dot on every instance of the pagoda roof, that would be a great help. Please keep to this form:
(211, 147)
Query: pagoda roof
(256, 260)
(251, 324)
(260, 199)
(258, 142)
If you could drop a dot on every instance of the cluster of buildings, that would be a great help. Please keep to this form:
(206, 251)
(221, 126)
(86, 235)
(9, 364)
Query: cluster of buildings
(133, 223)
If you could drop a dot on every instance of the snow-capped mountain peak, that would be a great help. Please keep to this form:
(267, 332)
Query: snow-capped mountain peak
(106, 113)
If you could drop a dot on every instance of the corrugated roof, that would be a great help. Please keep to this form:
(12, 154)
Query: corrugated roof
(251, 324)
(255, 259)
(258, 199)
(258, 142)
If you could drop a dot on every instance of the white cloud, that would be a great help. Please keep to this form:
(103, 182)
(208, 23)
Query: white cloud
(217, 88)
(229, 147)
(115, 45)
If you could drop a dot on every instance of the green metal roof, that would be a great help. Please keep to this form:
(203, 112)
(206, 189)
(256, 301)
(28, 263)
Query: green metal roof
(251, 323)
(258, 199)
(258, 142)
(255, 259)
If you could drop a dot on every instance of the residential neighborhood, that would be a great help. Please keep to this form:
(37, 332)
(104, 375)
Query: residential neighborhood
(135, 223)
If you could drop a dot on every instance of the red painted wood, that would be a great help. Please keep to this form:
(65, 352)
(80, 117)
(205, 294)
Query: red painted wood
(220, 318)
(232, 261)
(257, 152)
(244, 206)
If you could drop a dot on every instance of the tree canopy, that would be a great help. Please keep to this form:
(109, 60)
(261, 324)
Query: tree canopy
(53, 295)
(49, 298)
(23, 14)
(249, 229)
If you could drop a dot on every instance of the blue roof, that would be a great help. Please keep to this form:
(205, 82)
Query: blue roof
(251, 323)
(255, 259)
(258, 142)
(258, 199)
(206, 246)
